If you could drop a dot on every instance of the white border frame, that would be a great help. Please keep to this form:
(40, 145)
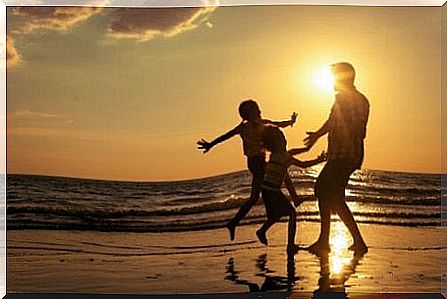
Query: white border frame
(175, 3)
(3, 149)
(192, 3)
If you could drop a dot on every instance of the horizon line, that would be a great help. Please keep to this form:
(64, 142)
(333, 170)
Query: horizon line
(188, 179)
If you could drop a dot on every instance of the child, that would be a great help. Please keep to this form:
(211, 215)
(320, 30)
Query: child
(276, 203)
(250, 130)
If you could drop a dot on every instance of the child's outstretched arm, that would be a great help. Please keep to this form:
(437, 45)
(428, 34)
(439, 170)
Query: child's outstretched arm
(206, 146)
(296, 151)
(284, 123)
(304, 164)
(293, 196)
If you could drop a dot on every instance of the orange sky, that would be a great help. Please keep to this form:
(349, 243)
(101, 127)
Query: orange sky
(124, 95)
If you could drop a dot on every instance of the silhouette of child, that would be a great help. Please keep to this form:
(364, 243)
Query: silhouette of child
(250, 130)
(276, 203)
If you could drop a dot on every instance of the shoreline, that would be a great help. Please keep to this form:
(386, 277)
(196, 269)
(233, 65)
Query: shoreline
(400, 259)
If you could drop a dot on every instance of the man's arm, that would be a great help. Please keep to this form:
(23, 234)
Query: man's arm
(312, 137)
(284, 123)
(206, 146)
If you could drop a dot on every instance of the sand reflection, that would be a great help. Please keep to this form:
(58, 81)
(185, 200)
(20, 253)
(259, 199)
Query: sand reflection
(339, 256)
(337, 266)
(272, 281)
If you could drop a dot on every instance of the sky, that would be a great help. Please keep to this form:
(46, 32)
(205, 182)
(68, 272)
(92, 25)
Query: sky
(124, 94)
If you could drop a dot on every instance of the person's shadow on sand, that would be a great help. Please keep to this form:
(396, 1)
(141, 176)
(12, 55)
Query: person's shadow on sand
(332, 285)
(271, 282)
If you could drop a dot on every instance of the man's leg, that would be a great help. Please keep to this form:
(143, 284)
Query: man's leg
(322, 192)
(340, 207)
(245, 208)
(321, 246)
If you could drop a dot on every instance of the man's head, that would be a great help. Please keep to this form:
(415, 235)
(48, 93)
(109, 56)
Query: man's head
(249, 110)
(344, 75)
(273, 139)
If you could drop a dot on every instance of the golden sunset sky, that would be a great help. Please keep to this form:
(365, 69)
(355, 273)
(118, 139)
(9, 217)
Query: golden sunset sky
(124, 94)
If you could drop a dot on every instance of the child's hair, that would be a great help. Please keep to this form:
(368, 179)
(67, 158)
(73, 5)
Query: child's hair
(249, 110)
(273, 139)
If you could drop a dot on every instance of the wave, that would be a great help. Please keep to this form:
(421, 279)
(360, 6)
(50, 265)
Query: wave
(229, 204)
(37, 202)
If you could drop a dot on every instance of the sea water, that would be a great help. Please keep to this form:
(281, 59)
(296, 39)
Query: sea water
(61, 203)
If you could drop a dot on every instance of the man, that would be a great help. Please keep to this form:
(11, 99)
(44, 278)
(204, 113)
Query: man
(346, 129)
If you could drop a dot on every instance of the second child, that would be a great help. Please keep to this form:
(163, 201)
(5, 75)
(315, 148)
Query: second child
(276, 203)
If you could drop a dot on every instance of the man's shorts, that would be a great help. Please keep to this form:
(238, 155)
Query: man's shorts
(333, 179)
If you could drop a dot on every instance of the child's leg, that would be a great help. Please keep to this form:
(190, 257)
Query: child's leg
(245, 208)
(291, 232)
(261, 233)
(285, 208)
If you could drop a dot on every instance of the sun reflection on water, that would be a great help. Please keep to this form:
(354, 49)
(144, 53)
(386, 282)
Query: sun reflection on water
(339, 256)
(337, 266)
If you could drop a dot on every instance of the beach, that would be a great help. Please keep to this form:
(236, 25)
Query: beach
(400, 259)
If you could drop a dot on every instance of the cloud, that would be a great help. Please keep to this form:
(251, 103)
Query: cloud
(13, 57)
(58, 2)
(33, 114)
(37, 115)
(147, 23)
(55, 18)
(53, 133)
(25, 2)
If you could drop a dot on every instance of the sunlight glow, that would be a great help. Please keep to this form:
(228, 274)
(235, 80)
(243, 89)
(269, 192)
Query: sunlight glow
(323, 79)
(339, 244)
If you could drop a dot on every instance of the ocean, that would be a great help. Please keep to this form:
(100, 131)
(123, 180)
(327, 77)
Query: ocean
(61, 203)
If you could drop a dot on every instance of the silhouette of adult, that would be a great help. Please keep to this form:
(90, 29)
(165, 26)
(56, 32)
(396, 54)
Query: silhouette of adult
(346, 129)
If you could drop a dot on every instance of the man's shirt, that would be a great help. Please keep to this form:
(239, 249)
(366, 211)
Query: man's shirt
(347, 127)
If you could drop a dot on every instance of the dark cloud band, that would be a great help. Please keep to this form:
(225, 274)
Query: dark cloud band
(145, 24)
(56, 18)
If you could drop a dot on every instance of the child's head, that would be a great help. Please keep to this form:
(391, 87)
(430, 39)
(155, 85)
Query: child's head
(273, 139)
(249, 110)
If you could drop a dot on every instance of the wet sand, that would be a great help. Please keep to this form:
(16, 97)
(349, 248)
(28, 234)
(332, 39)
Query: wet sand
(400, 259)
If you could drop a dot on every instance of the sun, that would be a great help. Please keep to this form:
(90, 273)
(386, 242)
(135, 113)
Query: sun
(323, 79)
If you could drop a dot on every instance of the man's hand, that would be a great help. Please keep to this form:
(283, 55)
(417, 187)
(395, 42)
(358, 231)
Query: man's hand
(204, 145)
(311, 138)
(296, 200)
(322, 157)
(293, 118)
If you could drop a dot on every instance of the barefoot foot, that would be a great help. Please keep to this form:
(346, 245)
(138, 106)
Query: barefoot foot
(318, 248)
(232, 230)
(262, 237)
(359, 248)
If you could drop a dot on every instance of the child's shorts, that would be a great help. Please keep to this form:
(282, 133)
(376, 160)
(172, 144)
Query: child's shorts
(276, 204)
(256, 165)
